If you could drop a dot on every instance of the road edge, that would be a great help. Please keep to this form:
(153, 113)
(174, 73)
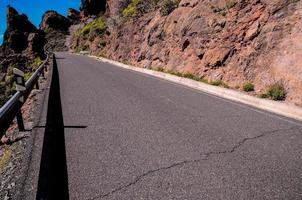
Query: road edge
(32, 158)
(284, 109)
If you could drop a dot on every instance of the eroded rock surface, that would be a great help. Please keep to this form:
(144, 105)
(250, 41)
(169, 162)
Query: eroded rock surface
(233, 41)
(21, 35)
(56, 28)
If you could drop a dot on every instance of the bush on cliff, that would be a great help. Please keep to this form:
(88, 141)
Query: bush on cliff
(137, 8)
(168, 6)
(131, 10)
(248, 87)
(98, 25)
(276, 92)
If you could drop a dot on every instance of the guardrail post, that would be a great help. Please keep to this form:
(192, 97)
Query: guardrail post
(42, 73)
(12, 108)
(20, 86)
(20, 121)
(19, 79)
(46, 66)
(37, 85)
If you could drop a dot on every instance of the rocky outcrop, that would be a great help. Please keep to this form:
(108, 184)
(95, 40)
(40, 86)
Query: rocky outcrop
(23, 48)
(92, 7)
(56, 28)
(114, 7)
(234, 41)
(73, 16)
(21, 36)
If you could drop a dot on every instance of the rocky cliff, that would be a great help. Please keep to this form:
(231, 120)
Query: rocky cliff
(92, 7)
(229, 41)
(224, 42)
(23, 48)
(73, 16)
(21, 35)
(56, 28)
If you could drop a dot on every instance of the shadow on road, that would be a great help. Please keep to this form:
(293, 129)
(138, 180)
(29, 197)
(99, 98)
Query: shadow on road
(53, 177)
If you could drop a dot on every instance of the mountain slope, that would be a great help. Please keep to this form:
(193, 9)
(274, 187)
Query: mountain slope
(232, 41)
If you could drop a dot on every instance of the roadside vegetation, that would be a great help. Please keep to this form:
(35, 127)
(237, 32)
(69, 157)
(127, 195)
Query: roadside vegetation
(275, 92)
(223, 10)
(168, 6)
(193, 77)
(137, 8)
(220, 83)
(88, 33)
(92, 29)
(7, 84)
(248, 87)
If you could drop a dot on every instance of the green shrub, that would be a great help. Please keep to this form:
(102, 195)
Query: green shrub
(189, 75)
(216, 9)
(131, 10)
(153, 3)
(36, 63)
(216, 83)
(96, 26)
(175, 73)
(276, 92)
(160, 69)
(136, 8)
(27, 75)
(248, 87)
(263, 96)
(219, 83)
(168, 6)
(231, 3)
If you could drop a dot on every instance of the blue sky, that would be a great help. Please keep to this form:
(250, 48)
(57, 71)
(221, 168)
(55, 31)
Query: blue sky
(34, 9)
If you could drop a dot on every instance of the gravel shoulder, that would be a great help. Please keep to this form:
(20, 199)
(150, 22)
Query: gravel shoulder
(17, 159)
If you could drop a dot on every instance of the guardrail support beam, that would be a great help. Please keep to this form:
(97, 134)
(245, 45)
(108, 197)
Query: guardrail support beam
(20, 121)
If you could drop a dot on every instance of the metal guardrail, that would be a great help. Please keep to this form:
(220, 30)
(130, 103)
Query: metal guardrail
(12, 108)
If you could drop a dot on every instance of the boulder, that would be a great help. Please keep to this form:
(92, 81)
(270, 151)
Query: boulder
(216, 57)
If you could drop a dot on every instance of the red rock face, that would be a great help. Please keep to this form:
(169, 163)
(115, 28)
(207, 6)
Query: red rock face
(233, 41)
(56, 28)
(114, 7)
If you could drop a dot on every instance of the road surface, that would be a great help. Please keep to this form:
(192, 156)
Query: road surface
(112, 133)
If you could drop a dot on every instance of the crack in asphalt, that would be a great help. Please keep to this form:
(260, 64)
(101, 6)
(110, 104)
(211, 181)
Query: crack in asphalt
(140, 177)
(240, 143)
(206, 156)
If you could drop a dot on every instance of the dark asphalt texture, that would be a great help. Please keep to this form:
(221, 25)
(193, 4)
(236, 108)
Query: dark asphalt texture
(132, 136)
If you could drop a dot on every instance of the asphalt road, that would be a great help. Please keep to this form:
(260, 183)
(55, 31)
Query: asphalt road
(119, 134)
